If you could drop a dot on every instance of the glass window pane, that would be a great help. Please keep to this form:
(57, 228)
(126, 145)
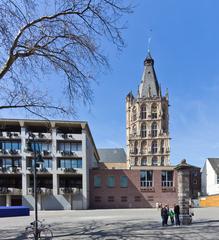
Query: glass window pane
(97, 181)
(123, 181)
(111, 181)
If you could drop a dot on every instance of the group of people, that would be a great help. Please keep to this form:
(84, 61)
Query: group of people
(172, 214)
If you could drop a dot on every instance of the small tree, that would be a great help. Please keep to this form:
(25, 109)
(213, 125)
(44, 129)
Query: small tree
(63, 36)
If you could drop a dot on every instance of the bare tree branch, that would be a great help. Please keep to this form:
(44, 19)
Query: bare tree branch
(65, 38)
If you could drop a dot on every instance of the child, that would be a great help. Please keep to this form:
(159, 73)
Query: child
(171, 215)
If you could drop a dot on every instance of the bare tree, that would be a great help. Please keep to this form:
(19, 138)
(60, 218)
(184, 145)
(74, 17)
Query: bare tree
(38, 37)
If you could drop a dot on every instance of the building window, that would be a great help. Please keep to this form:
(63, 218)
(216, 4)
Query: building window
(134, 130)
(195, 182)
(162, 146)
(110, 198)
(162, 161)
(143, 130)
(144, 147)
(144, 161)
(111, 181)
(123, 181)
(6, 164)
(167, 178)
(154, 161)
(154, 147)
(137, 198)
(154, 129)
(47, 163)
(136, 147)
(10, 146)
(69, 147)
(134, 114)
(218, 179)
(136, 161)
(97, 181)
(143, 112)
(97, 198)
(70, 163)
(154, 111)
(124, 199)
(146, 178)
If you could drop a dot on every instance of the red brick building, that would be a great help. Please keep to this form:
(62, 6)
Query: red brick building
(112, 188)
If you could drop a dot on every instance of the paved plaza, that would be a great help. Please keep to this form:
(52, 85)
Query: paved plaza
(115, 224)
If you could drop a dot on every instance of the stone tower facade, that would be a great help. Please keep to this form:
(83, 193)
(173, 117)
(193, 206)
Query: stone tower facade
(147, 122)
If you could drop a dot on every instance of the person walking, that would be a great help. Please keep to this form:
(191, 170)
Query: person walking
(177, 212)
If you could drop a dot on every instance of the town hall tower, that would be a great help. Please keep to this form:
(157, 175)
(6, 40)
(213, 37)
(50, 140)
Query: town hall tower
(147, 122)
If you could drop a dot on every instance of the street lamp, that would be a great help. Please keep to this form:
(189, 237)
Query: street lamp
(37, 160)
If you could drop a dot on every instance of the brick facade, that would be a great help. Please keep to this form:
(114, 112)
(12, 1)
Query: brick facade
(132, 196)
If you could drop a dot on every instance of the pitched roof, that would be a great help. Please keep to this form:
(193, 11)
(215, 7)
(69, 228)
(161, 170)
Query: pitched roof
(112, 155)
(215, 164)
(149, 85)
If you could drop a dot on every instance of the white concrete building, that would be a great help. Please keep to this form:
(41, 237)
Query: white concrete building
(68, 151)
(210, 177)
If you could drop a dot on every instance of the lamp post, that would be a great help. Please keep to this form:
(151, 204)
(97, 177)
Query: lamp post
(37, 160)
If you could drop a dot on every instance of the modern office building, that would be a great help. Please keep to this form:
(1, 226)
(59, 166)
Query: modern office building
(68, 151)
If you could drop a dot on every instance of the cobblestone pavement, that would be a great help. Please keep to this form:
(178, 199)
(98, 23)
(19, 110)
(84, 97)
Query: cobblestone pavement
(116, 224)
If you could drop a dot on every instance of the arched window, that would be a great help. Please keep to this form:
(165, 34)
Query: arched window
(134, 114)
(136, 161)
(162, 161)
(154, 129)
(154, 147)
(154, 111)
(143, 112)
(143, 130)
(136, 147)
(162, 146)
(134, 130)
(144, 147)
(154, 161)
(144, 161)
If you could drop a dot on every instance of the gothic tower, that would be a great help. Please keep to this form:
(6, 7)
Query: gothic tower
(147, 122)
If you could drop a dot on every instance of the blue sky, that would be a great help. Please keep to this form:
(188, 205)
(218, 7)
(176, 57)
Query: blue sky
(185, 47)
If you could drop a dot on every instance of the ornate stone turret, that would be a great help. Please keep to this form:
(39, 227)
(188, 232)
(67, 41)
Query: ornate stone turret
(147, 122)
(183, 174)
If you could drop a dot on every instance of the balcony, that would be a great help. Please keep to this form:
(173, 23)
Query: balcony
(67, 170)
(68, 136)
(4, 190)
(30, 191)
(10, 135)
(41, 136)
(10, 170)
(69, 153)
(9, 152)
(39, 170)
(68, 190)
(15, 191)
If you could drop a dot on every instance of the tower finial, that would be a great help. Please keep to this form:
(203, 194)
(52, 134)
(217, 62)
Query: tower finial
(149, 40)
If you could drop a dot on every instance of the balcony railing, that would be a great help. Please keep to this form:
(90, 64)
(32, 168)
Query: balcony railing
(10, 135)
(40, 190)
(11, 152)
(10, 170)
(68, 190)
(167, 184)
(15, 191)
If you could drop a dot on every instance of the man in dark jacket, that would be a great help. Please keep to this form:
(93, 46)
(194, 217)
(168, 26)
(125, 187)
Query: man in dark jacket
(177, 212)
(164, 215)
